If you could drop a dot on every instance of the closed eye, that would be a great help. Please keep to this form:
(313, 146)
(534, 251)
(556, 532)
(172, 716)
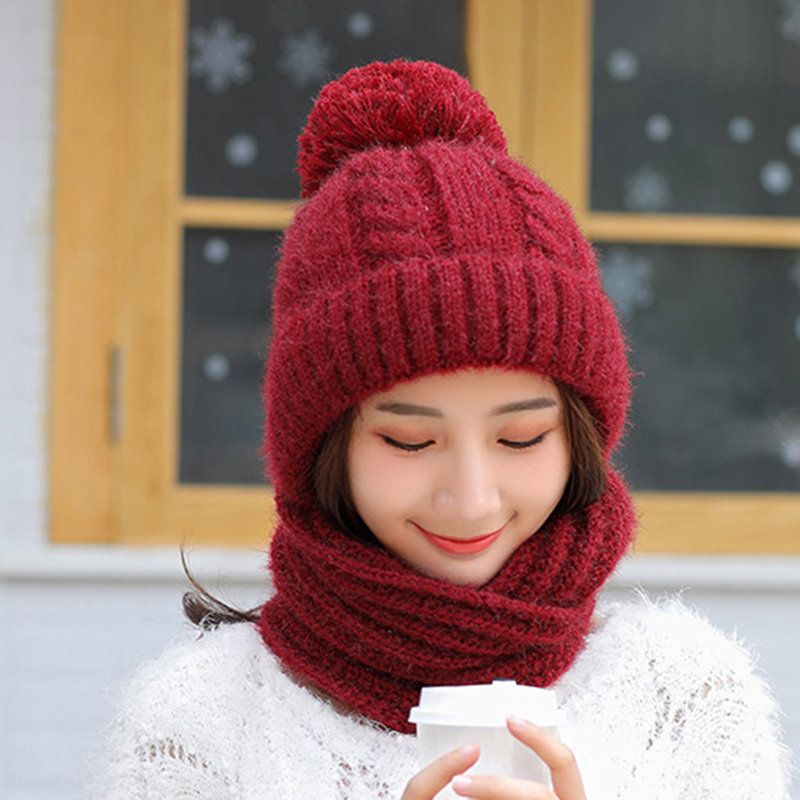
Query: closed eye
(513, 445)
(523, 445)
(404, 445)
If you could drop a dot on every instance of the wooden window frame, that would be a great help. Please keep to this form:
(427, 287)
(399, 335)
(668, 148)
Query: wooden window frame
(559, 144)
(118, 221)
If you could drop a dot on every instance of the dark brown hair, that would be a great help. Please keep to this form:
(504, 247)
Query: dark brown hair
(586, 482)
(207, 611)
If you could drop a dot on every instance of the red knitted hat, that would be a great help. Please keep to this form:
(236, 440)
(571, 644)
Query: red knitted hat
(423, 247)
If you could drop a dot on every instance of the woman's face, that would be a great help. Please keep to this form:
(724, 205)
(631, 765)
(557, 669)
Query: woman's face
(440, 455)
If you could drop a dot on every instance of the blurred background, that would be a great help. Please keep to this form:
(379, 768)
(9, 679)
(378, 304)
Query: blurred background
(147, 160)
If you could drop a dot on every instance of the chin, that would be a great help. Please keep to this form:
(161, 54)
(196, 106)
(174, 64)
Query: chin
(475, 583)
(466, 576)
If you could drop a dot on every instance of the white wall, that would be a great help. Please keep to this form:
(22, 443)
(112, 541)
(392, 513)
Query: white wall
(79, 619)
(26, 138)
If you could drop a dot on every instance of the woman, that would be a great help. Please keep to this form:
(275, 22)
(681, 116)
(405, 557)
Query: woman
(445, 386)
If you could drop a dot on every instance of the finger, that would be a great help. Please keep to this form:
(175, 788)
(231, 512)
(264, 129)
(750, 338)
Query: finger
(497, 787)
(566, 777)
(431, 780)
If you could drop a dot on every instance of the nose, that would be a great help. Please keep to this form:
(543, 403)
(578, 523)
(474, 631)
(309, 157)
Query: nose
(468, 488)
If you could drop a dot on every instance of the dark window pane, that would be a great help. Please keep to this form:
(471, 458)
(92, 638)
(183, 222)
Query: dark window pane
(695, 107)
(254, 68)
(715, 334)
(227, 280)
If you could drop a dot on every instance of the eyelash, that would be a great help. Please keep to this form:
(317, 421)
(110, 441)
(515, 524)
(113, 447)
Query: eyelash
(418, 447)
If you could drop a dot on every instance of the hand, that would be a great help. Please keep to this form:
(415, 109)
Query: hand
(426, 784)
(567, 782)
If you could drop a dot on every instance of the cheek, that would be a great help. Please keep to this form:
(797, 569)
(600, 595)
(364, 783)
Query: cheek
(364, 473)
(377, 480)
(548, 474)
(559, 461)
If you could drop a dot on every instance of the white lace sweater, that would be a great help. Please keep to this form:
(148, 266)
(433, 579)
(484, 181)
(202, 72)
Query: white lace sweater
(660, 705)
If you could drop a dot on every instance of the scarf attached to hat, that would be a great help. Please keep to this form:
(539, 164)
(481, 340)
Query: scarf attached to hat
(371, 631)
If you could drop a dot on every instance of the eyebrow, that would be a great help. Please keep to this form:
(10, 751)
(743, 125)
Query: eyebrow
(410, 409)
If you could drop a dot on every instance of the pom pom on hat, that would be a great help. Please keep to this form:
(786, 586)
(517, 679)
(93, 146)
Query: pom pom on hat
(390, 105)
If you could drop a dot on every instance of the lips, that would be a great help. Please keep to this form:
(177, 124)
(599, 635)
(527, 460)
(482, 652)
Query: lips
(474, 545)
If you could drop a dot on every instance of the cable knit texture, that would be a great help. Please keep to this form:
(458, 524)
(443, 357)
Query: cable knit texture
(424, 248)
(659, 704)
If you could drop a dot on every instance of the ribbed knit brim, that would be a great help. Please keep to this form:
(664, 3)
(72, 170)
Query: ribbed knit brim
(411, 261)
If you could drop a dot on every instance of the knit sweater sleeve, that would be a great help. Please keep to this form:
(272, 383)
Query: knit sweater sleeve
(170, 737)
(728, 732)
(716, 731)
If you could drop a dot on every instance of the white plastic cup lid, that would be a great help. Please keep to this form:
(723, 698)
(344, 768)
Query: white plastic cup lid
(486, 704)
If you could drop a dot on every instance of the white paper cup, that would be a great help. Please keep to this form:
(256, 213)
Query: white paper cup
(448, 717)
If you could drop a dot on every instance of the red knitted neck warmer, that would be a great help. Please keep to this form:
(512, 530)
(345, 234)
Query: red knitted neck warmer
(371, 631)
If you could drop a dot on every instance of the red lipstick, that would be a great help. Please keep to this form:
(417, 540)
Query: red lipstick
(462, 545)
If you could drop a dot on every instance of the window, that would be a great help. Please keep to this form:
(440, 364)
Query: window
(162, 107)
(175, 155)
(645, 117)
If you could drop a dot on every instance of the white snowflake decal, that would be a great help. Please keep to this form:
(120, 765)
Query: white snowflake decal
(359, 25)
(786, 431)
(628, 280)
(622, 64)
(776, 177)
(305, 58)
(647, 190)
(789, 25)
(790, 452)
(220, 55)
